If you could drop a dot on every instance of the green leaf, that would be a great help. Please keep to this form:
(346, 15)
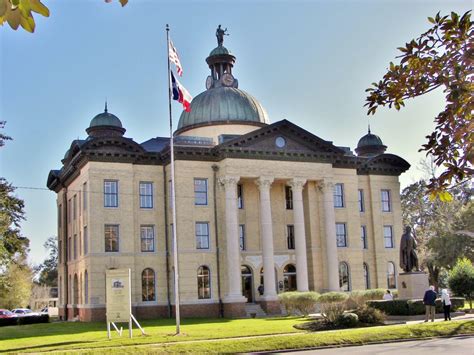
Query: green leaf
(432, 20)
(28, 23)
(15, 3)
(39, 8)
(14, 18)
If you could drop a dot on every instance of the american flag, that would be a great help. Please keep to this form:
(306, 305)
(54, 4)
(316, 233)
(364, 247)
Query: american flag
(174, 57)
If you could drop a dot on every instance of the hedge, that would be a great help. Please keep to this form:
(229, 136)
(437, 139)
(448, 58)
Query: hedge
(412, 307)
(43, 318)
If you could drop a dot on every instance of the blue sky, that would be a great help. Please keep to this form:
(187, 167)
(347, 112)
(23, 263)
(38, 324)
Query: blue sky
(306, 61)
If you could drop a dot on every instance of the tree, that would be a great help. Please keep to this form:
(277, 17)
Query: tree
(20, 12)
(48, 270)
(16, 285)
(443, 57)
(461, 279)
(440, 227)
(12, 243)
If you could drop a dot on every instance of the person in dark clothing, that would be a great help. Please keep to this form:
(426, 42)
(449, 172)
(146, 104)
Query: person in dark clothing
(429, 300)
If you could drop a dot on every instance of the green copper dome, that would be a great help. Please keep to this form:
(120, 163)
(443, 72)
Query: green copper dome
(220, 50)
(223, 105)
(370, 145)
(105, 119)
(369, 139)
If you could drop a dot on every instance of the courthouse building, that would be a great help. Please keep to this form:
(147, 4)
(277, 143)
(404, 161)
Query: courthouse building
(262, 208)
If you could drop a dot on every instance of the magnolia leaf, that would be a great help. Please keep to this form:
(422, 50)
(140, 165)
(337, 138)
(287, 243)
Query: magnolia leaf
(13, 18)
(15, 3)
(3, 7)
(39, 8)
(432, 196)
(28, 23)
(25, 8)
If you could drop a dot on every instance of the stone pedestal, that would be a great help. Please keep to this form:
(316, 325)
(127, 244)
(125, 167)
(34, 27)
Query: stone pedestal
(412, 285)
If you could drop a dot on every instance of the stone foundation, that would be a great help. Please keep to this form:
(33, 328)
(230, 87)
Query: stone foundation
(270, 307)
(234, 310)
(412, 285)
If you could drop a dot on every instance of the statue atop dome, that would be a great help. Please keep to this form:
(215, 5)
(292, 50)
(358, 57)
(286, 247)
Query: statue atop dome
(220, 33)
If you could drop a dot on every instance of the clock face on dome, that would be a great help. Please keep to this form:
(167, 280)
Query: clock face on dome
(227, 79)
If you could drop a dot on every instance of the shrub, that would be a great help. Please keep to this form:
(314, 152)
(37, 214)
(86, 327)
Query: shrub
(412, 307)
(303, 302)
(347, 320)
(370, 315)
(461, 279)
(358, 298)
(333, 305)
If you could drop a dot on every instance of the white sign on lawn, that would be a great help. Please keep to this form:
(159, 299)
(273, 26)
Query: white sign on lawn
(118, 295)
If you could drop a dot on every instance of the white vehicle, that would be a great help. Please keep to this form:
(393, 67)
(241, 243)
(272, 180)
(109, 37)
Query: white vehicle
(24, 312)
(51, 311)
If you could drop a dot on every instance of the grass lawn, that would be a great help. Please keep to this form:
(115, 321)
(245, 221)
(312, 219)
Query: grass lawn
(209, 335)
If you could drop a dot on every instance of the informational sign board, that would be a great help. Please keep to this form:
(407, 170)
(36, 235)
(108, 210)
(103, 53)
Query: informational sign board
(118, 295)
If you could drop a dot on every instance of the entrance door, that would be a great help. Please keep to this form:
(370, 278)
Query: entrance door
(247, 283)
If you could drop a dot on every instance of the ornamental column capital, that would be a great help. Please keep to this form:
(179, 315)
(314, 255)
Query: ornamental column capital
(229, 181)
(264, 182)
(297, 183)
(325, 185)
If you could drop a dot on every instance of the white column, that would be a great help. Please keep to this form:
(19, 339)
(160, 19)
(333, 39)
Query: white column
(332, 263)
(266, 231)
(300, 235)
(234, 282)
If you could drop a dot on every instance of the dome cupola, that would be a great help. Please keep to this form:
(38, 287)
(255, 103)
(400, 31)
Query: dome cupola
(222, 103)
(105, 124)
(370, 145)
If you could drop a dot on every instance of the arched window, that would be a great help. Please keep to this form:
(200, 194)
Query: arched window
(289, 278)
(247, 282)
(75, 299)
(366, 276)
(276, 279)
(391, 280)
(204, 282)
(86, 288)
(148, 285)
(344, 277)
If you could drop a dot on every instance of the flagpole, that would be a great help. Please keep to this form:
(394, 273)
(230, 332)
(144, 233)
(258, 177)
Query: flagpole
(173, 199)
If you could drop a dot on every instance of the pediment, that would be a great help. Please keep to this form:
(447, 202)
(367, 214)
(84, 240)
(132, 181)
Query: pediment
(292, 138)
(386, 164)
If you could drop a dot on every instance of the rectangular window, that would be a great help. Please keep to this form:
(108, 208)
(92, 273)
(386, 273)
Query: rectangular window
(69, 247)
(84, 196)
(69, 211)
(290, 236)
(60, 251)
(200, 192)
(202, 235)
(240, 196)
(361, 200)
(74, 207)
(146, 195)
(79, 246)
(289, 197)
(147, 238)
(386, 205)
(111, 233)
(86, 241)
(363, 237)
(341, 235)
(242, 236)
(110, 193)
(339, 195)
(388, 236)
(75, 246)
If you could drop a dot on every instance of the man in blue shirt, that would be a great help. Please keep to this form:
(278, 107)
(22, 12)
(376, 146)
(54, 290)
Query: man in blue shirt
(429, 300)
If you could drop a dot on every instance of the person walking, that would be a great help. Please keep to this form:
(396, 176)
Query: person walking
(429, 300)
(446, 304)
(388, 296)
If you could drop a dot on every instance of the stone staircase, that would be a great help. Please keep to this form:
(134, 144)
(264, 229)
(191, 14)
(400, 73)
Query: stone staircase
(253, 310)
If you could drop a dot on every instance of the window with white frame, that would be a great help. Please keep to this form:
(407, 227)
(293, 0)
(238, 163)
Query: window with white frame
(338, 195)
(148, 285)
(202, 235)
(341, 235)
(289, 197)
(111, 236)
(388, 236)
(146, 194)
(204, 282)
(360, 195)
(366, 276)
(86, 241)
(290, 236)
(110, 193)
(84, 196)
(344, 277)
(147, 238)
(386, 203)
(200, 192)
(391, 279)
(240, 196)
(242, 236)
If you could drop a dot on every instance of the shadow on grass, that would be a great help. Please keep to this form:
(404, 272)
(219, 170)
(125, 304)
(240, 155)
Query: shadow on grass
(38, 347)
(441, 331)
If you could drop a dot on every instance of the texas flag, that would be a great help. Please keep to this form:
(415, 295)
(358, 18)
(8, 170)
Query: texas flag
(180, 94)
(174, 57)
